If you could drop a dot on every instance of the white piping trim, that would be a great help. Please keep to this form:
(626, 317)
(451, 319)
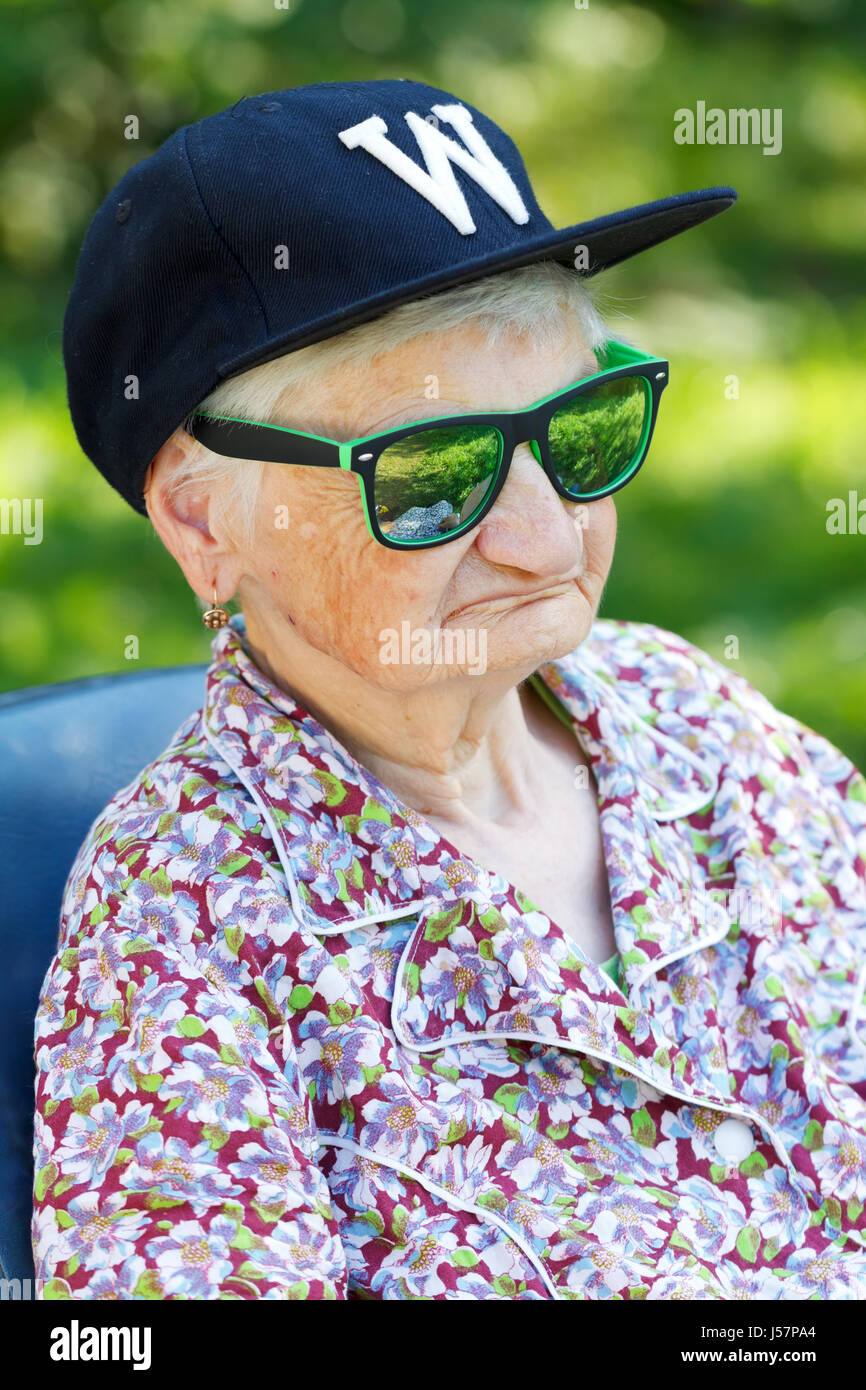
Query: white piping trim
(687, 805)
(567, 1044)
(689, 950)
(335, 929)
(554, 1040)
(341, 928)
(265, 812)
(336, 1141)
(406, 911)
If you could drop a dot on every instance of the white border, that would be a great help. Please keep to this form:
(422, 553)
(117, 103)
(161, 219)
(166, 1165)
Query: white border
(336, 1141)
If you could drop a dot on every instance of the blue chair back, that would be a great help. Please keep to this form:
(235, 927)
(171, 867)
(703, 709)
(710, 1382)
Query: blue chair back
(64, 751)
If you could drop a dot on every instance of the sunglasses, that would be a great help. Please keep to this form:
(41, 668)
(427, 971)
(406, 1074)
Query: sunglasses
(427, 483)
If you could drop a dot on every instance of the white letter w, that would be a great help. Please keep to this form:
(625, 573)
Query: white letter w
(437, 184)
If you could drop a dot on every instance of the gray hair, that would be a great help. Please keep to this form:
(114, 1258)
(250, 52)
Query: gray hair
(527, 299)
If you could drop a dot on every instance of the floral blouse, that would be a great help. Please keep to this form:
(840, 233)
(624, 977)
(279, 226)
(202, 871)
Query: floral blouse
(294, 1045)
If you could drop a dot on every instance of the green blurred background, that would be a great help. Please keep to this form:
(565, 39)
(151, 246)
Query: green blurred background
(724, 535)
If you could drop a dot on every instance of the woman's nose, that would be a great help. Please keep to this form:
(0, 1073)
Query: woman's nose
(529, 526)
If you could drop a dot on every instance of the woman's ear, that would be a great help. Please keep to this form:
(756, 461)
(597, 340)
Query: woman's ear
(182, 518)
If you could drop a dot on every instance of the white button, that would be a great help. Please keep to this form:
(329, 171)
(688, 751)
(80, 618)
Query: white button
(517, 967)
(734, 1141)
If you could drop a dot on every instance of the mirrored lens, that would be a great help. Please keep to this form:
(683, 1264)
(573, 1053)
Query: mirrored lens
(431, 482)
(597, 436)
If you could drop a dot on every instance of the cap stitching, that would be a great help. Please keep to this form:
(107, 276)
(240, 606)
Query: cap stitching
(216, 231)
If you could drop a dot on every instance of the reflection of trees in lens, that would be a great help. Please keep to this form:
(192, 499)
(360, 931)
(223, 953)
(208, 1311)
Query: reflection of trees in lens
(595, 437)
(432, 467)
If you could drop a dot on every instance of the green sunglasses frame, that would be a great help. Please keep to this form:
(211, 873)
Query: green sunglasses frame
(248, 439)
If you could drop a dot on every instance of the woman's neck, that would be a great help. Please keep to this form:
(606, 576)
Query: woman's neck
(463, 750)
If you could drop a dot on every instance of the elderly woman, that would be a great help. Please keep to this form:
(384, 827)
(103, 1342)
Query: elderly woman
(461, 945)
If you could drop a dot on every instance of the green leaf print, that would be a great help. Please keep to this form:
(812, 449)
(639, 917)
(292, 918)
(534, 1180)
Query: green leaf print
(234, 862)
(83, 1104)
(215, 1135)
(267, 999)
(493, 1200)
(158, 1201)
(833, 1211)
(643, 1128)
(399, 1221)
(372, 1217)
(679, 1242)
(136, 946)
(300, 998)
(45, 1178)
(524, 902)
(814, 1136)
(753, 1166)
(56, 1289)
(159, 881)
(442, 924)
(268, 1212)
(509, 1096)
(335, 791)
(244, 1239)
(492, 920)
(464, 1258)
(557, 1132)
(234, 938)
(190, 1026)
(148, 1286)
(749, 1243)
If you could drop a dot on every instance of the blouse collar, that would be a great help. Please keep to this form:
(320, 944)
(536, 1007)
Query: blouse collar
(354, 854)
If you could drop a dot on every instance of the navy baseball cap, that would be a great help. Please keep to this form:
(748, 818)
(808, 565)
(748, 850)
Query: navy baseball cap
(289, 218)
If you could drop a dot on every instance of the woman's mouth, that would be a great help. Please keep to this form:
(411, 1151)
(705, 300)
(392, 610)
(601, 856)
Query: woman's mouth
(501, 603)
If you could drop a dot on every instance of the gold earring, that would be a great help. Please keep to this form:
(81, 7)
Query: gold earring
(215, 616)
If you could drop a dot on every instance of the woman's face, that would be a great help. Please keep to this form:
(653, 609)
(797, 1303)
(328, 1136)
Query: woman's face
(523, 586)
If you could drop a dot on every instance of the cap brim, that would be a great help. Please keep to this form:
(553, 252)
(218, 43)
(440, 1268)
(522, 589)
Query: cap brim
(608, 240)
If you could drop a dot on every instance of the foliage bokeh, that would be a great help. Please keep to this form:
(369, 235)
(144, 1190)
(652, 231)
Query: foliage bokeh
(724, 534)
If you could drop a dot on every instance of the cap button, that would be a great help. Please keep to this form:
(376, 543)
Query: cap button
(123, 210)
